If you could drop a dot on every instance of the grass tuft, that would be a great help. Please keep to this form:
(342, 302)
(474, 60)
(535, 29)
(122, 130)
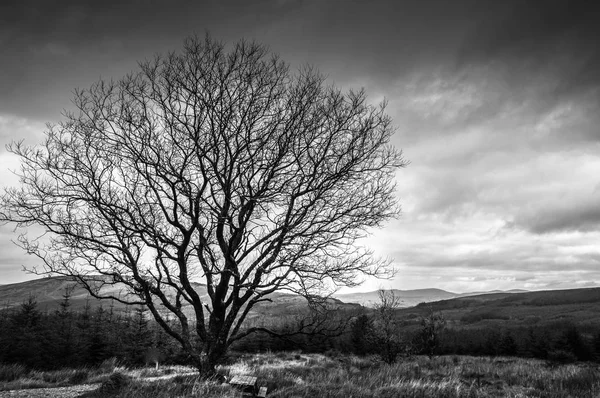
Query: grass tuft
(10, 372)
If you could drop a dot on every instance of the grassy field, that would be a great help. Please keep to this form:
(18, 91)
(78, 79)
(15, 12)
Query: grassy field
(300, 375)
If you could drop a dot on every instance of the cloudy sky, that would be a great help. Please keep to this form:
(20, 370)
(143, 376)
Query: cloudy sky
(496, 104)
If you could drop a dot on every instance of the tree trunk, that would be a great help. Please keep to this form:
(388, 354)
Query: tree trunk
(207, 367)
(212, 353)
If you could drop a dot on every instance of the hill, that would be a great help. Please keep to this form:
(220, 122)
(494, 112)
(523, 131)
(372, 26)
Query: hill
(542, 308)
(411, 298)
(408, 298)
(471, 310)
(49, 292)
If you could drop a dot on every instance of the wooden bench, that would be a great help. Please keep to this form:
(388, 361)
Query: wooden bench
(248, 386)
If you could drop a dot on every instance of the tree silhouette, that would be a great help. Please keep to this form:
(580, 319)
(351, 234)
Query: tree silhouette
(428, 336)
(360, 333)
(27, 339)
(385, 333)
(63, 331)
(572, 342)
(507, 344)
(214, 165)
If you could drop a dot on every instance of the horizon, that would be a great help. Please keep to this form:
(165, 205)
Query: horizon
(354, 291)
(495, 108)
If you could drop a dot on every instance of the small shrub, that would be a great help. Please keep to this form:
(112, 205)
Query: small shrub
(115, 383)
(109, 365)
(334, 353)
(561, 357)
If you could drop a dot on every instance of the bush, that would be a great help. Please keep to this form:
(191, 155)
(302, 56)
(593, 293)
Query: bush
(561, 357)
(109, 365)
(115, 383)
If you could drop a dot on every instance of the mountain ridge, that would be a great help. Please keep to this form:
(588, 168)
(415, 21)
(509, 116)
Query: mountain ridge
(411, 298)
(49, 292)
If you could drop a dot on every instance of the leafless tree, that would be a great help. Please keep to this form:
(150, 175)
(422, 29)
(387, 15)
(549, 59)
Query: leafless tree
(428, 337)
(215, 164)
(386, 335)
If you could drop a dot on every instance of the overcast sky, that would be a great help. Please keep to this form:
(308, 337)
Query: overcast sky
(496, 105)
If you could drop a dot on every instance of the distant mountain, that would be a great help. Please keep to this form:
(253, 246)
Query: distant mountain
(49, 292)
(520, 309)
(411, 298)
(492, 292)
(408, 298)
(46, 291)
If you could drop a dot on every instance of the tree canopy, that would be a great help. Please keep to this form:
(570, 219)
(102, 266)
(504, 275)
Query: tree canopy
(214, 165)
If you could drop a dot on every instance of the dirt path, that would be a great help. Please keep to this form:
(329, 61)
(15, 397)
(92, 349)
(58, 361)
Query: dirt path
(57, 392)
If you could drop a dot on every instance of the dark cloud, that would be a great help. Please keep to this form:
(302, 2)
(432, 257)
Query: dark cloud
(565, 217)
(364, 43)
(48, 48)
(74, 42)
(528, 27)
(530, 35)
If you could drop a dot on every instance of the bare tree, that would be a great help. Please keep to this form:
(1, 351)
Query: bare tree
(385, 335)
(215, 165)
(428, 336)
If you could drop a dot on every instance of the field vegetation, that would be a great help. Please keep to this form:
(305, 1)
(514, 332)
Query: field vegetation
(295, 374)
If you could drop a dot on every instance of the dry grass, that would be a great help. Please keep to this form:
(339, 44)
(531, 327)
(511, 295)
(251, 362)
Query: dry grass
(298, 375)
(17, 377)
